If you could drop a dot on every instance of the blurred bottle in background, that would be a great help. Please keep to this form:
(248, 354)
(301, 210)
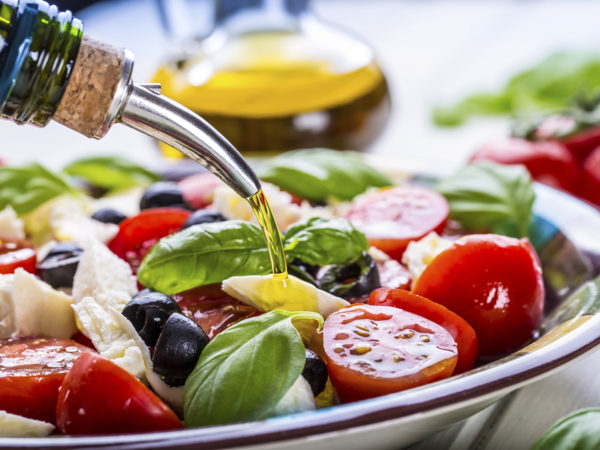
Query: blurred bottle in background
(271, 76)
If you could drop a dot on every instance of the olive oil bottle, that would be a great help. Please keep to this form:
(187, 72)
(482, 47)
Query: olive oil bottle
(277, 78)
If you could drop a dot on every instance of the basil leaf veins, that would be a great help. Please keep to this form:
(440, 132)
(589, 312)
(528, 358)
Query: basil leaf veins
(245, 371)
(320, 174)
(579, 430)
(29, 186)
(488, 196)
(111, 172)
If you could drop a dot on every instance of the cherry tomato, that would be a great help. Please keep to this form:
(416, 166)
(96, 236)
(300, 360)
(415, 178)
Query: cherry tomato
(494, 283)
(15, 253)
(580, 143)
(99, 397)
(583, 143)
(459, 329)
(548, 162)
(31, 371)
(198, 189)
(590, 178)
(377, 350)
(393, 217)
(212, 309)
(138, 234)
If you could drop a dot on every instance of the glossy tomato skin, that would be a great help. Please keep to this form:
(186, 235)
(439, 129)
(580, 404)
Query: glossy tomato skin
(590, 178)
(494, 283)
(378, 350)
(393, 217)
(99, 397)
(212, 309)
(548, 162)
(583, 143)
(138, 234)
(15, 253)
(31, 372)
(198, 189)
(459, 329)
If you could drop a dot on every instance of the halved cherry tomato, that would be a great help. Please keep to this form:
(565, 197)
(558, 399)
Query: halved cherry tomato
(212, 309)
(393, 217)
(377, 350)
(31, 371)
(15, 253)
(548, 162)
(99, 397)
(494, 283)
(138, 234)
(459, 329)
(198, 189)
(590, 178)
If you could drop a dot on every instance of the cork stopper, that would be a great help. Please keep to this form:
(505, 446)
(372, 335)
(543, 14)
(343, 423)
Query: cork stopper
(86, 104)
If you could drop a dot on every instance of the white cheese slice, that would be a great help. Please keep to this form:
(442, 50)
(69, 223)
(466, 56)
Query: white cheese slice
(7, 311)
(103, 276)
(11, 227)
(12, 425)
(420, 253)
(297, 399)
(111, 336)
(40, 310)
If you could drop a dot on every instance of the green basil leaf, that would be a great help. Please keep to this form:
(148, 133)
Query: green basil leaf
(319, 241)
(205, 254)
(245, 370)
(487, 196)
(579, 430)
(29, 186)
(111, 172)
(320, 174)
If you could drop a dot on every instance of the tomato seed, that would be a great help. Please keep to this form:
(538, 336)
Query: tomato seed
(360, 350)
(362, 327)
(362, 333)
(425, 338)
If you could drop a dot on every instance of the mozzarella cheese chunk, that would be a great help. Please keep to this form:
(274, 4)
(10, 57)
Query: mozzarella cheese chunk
(297, 399)
(111, 336)
(127, 201)
(11, 227)
(266, 293)
(12, 425)
(420, 253)
(40, 310)
(103, 276)
(7, 311)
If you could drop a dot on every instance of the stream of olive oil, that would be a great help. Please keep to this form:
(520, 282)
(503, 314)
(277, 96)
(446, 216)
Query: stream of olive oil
(265, 218)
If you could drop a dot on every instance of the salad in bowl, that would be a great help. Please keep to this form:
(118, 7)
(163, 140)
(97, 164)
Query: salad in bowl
(132, 302)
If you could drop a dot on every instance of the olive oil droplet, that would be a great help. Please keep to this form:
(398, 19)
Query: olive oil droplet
(265, 218)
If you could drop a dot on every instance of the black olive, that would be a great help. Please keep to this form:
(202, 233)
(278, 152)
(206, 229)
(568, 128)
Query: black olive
(161, 194)
(304, 271)
(178, 348)
(203, 216)
(351, 280)
(315, 372)
(148, 312)
(60, 264)
(109, 215)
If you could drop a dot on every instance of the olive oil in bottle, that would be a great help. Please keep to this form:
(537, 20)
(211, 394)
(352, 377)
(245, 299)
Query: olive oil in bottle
(283, 83)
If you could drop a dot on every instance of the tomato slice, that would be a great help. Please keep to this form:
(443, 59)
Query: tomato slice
(376, 350)
(198, 189)
(494, 283)
(212, 309)
(15, 253)
(138, 234)
(99, 397)
(590, 178)
(459, 329)
(393, 217)
(31, 371)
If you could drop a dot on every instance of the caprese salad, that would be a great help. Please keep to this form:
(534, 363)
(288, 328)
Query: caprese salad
(133, 303)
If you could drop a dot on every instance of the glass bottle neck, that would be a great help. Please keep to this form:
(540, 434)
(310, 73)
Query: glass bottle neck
(240, 16)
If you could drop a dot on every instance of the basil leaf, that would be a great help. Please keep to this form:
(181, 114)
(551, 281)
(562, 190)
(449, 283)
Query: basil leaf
(245, 370)
(579, 430)
(29, 186)
(319, 241)
(320, 174)
(205, 254)
(111, 172)
(488, 196)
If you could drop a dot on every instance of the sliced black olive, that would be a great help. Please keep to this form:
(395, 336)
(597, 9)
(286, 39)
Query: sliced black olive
(315, 372)
(148, 312)
(203, 216)
(351, 280)
(304, 271)
(178, 348)
(163, 193)
(109, 215)
(60, 264)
